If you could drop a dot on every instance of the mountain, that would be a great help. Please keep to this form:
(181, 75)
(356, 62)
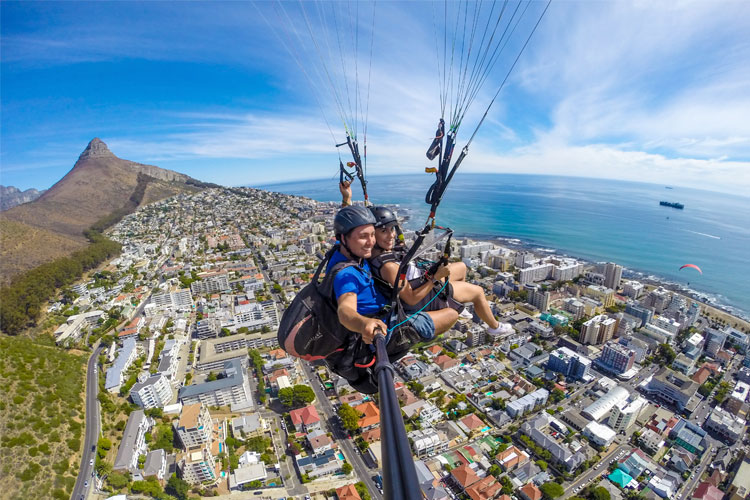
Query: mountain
(11, 196)
(99, 185)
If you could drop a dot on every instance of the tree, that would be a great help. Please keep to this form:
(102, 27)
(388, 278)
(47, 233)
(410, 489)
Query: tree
(600, 493)
(117, 480)
(347, 468)
(507, 486)
(542, 464)
(494, 470)
(349, 417)
(557, 395)
(552, 490)
(362, 491)
(667, 353)
(286, 397)
(177, 487)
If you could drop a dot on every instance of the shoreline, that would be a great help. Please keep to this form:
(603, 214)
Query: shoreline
(627, 273)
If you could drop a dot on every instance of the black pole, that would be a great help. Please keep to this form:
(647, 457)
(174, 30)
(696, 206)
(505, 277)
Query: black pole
(400, 476)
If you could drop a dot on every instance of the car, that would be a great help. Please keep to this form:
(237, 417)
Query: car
(85, 484)
(91, 462)
(258, 493)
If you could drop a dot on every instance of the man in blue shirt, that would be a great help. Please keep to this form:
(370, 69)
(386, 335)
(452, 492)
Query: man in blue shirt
(360, 303)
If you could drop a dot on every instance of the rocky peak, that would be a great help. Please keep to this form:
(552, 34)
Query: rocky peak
(96, 149)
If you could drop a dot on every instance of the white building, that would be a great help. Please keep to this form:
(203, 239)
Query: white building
(133, 442)
(599, 434)
(601, 407)
(625, 414)
(153, 392)
(124, 357)
(526, 403)
(427, 442)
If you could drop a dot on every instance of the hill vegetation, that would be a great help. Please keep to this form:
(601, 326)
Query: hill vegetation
(41, 418)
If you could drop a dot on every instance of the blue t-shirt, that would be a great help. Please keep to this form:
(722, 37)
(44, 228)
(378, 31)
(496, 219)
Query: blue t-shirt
(355, 279)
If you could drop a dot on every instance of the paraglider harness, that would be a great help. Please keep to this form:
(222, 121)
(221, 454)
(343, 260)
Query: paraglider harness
(310, 330)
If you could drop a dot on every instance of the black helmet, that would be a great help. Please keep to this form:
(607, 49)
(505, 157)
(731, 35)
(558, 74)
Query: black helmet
(351, 217)
(383, 217)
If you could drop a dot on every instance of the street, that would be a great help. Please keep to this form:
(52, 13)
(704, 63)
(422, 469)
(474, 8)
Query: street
(85, 474)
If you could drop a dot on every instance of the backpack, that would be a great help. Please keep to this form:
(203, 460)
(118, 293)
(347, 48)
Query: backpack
(309, 329)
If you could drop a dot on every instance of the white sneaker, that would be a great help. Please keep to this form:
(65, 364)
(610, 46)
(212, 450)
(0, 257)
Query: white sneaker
(466, 314)
(501, 328)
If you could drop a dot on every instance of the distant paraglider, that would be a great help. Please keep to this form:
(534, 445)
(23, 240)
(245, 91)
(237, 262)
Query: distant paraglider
(693, 266)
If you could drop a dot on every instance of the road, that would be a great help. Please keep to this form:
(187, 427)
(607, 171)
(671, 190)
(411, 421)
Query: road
(85, 474)
(346, 445)
(591, 474)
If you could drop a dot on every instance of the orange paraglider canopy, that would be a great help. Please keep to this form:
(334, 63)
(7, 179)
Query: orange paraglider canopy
(693, 266)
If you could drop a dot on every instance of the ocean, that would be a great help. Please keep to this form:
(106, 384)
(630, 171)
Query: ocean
(594, 219)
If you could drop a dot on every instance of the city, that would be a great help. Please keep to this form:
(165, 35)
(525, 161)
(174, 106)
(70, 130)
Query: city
(597, 387)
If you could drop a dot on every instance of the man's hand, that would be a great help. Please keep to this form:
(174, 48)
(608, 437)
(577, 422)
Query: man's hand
(442, 272)
(373, 327)
(345, 188)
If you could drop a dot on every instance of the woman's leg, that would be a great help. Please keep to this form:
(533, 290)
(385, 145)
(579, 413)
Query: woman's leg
(458, 271)
(443, 319)
(466, 292)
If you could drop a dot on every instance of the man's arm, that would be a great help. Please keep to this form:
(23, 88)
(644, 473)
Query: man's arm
(345, 188)
(352, 320)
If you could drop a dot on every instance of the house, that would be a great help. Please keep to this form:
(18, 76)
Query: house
(524, 473)
(352, 400)
(372, 435)
(511, 459)
(681, 460)
(348, 492)
(249, 425)
(486, 488)
(530, 492)
(319, 442)
(370, 415)
(305, 419)
(464, 476)
(155, 465)
(433, 351)
(707, 491)
(446, 362)
(473, 424)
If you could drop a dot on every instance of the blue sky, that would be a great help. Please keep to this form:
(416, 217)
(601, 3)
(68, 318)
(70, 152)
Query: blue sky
(646, 91)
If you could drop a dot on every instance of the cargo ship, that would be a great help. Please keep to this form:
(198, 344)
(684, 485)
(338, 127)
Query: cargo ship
(671, 204)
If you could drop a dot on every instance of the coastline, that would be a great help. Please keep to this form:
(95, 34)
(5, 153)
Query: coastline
(706, 300)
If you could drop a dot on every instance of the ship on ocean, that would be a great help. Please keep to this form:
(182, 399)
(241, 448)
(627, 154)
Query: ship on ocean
(671, 204)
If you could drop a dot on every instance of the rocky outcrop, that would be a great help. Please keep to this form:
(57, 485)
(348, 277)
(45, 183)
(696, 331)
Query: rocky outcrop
(11, 196)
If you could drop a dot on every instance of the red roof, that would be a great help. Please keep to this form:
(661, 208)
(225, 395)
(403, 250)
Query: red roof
(464, 475)
(531, 492)
(484, 489)
(473, 422)
(707, 491)
(307, 415)
(348, 492)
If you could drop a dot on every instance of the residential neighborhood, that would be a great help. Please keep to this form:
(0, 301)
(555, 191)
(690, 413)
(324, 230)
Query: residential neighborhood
(597, 385)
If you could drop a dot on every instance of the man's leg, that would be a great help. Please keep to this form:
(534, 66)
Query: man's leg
(466, 292)
(458, 271)
(443, 319)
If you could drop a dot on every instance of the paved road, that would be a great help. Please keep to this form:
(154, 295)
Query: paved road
(85, 474)
(346, 445)
(591, 474)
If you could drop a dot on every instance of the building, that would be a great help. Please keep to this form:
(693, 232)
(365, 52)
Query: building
(601, 407)
(688, 436)
(155, 465)
(428, 442)
(232, 389)
(305, 419)
(617, 358)
(153, 392)
(625, 414)
(208, 328)
(672, 387)
(637, 311)
(632, 289)
(725, 425)
(198, 466)
(133, 442)
(527, 403)
(599, 434)
(739, 489)
(715, 341)
(598, 329)
(125, 356)
(658, 299)
(650, 441)
(571, 364)
(251, 425)
(210, 283)
(560, 453)
(612, 275)
(512, 458)
(601, 293)
(213, 353)
(194, 426)
(537, 297)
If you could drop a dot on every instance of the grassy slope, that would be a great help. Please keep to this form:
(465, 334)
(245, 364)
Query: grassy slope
(41, 418)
